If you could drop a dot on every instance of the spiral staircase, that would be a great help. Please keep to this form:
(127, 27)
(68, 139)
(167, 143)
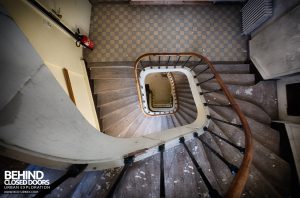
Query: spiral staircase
(212, 163)
(216, 142)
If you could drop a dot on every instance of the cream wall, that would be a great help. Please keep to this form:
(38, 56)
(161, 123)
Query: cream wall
(58, 51)
(75, 13)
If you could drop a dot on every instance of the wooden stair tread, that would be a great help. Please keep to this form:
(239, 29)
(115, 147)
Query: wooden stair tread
(112, 84)
(108, 108)
(112, 72)
(235, 79)
(112, 95)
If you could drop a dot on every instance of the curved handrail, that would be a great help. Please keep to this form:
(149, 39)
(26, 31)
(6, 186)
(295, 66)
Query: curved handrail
(239, 181)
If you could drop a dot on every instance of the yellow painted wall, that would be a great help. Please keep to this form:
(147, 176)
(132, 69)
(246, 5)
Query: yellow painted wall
(75, 13)
(58, 51)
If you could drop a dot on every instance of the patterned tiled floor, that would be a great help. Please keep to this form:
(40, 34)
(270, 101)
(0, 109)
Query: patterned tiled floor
(122, 32)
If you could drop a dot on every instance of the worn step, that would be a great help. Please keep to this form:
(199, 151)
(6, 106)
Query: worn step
(149, 126)
(164, 123)
(111, 64)
(181, 176)
(117, 115)
(182, 97)
(267, 162)
(109, 96)
(263, 94)
(191, 110)
(66, 188)
(220, 170)
(182, 84)
(170, 122)
(132, 128)
(226, 68)
(233, 79)
(122, 125)
(180, 90)
(112, 72)
(102, 85)
(182, 121)
(108, 108)
(142, 178)
(187, 114)
(156, 125)
(183, 117)
(175, 121)
(93, 184)
(249, 109)
(256, 185)
(261, 132)
(185, 99)
(188, 95)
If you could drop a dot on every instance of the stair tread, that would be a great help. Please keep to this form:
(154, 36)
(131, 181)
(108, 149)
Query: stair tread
(102, 85)
(170, 122)
(112, 72)
(122, 125)
(112, 95)
(261, 132)
(121, 116)
(146, 127)
(134, 126)
(266, 161)
(182, 175)
(175, 121)
(108, 108)
(249, 109)
(227, 68)
(263, 94)
(220, 170)
(187, 116)
(117, 115)
(164, 123)
(235, 79)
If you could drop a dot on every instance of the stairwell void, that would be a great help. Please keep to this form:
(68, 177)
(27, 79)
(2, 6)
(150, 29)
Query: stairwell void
(217, 143)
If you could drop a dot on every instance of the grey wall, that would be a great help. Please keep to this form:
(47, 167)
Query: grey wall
(275, 50)
(280, 7)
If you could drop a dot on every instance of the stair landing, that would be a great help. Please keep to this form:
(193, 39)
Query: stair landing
(122, 32)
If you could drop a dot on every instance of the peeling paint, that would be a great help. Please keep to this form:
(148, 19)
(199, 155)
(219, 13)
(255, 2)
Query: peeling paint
(249, 91)
(142, 172)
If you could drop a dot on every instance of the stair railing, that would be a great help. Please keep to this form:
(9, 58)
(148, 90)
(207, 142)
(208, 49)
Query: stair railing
(199, 64)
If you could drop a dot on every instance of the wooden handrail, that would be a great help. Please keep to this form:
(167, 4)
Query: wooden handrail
(237, 186)
(69, 85)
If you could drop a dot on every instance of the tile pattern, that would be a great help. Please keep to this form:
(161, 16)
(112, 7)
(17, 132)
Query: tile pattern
(122, 32)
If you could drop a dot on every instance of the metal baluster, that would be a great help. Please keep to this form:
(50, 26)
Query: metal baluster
(186, 61)
(205, 81)
(233, 169)
(230, 123)
(195, 65)
(150, 62)
(158, 62)
(200, 72)
(241, 149)
(218, 105)
(128, 161)
(142, 65)
(73, 171)
(177, 61)
(212, 192)
(168, 62)
(161, 149)
(206, 92)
